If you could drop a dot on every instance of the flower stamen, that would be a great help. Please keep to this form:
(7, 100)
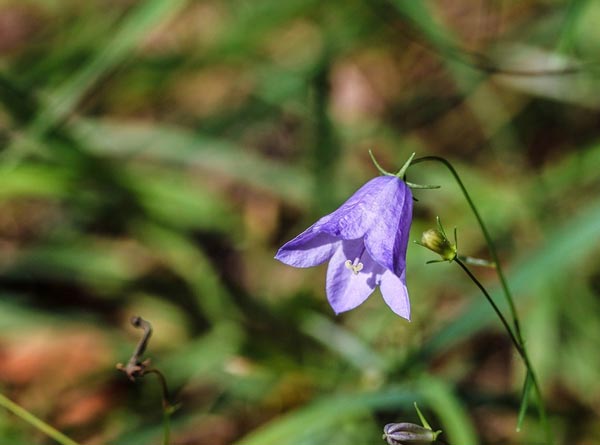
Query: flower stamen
(355, 266)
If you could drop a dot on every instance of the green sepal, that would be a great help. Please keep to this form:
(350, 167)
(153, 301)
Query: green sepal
(402, 171)
(425, 423)
(422, 417)
(422, 186)
(379, 167)
(433, 261)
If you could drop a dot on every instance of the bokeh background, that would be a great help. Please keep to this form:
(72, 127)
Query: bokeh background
(155, 154)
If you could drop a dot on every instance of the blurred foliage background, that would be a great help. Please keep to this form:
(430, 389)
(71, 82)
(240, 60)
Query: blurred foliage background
(155, 154)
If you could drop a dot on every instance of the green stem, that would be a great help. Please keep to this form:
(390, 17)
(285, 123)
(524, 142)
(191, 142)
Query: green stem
(35, 422)
(166, 427)
(518, 346)
(488, 239)
(515, 335)
(489, 298)
(166, 405)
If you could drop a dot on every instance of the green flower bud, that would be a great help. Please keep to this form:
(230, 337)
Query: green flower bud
(408, 434)
(436, 241)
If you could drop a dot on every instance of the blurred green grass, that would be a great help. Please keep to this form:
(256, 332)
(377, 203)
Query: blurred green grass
(156, 153)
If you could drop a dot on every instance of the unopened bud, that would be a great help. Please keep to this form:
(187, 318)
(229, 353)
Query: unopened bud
(408, 434)
(436, 241)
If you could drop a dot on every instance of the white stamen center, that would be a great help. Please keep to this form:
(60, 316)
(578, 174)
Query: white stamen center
(355, 266)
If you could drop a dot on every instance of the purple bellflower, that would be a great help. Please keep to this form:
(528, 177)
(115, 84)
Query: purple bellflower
(365, 242)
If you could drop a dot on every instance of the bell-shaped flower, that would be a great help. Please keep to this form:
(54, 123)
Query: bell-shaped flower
(365, 242)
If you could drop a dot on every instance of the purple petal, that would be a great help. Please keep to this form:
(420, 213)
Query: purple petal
(362, 210)
(395, 294)
(308, 249)
(347, 289)
(387, 239)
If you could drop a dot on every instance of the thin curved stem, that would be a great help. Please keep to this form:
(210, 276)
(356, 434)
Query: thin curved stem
(488, 238)
(167, 407)
(489, 298)
(518, 346)
(137, 367)
(36, 422)
(166, 427)
(515, 334)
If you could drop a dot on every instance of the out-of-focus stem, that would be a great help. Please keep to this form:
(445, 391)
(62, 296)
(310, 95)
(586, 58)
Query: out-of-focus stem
(137, 367)
(167, 407)
(34, 421)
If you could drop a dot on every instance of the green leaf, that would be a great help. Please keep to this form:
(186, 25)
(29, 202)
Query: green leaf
(170, 145)
(116, 50)
(524, 400)
(456, 422)
(327, 412)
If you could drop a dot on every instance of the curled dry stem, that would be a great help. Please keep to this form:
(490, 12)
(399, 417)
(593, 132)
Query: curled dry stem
(139, 367)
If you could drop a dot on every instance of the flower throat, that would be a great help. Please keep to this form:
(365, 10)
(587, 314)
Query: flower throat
(355, 266)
